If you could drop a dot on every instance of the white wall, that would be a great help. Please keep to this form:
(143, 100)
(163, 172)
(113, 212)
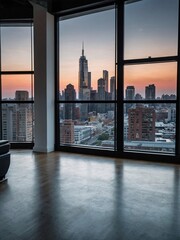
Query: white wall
(43, 79)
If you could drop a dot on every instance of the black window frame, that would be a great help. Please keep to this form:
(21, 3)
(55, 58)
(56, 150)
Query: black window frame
(120, 101)
(18, 23)
(82, 12)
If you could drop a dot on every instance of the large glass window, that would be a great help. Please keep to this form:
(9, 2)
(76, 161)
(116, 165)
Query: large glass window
(151, 28)
(16, 82)
(155, 81)
(150, 76)
(11, 83)
(87, 80)
(118, 78)
(16, 48)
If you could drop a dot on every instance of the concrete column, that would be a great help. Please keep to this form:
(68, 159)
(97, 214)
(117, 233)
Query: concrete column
(43, 79)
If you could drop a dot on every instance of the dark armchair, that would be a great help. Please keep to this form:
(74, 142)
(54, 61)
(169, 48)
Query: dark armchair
(4, 159)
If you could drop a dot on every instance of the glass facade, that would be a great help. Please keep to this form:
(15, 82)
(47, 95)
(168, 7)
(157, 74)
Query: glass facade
(17, 82)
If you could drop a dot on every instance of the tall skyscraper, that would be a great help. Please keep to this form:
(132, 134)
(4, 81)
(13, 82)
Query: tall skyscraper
(85, 106)
(83, 74)
(130, 95)
(101, 89)
(141, 124)
(113, 87)
(93, 97)
(23, 117)
(84, 85)
(89, 80)
(8, 124)
(130, 92)
(17, 118)
(101, 95)
(106, 78)
(70, 95)
(150, 92)
(21, 95)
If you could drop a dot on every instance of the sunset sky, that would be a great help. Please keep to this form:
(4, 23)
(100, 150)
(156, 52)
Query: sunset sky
(11, 83)
(16, 48)
(150, 30)
(97, 31)
(16, 56)
(162, 75)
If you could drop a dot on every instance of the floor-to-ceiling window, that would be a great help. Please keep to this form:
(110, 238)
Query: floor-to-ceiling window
(150, 75)
(87, 80)
(16, 82)
(118, 78)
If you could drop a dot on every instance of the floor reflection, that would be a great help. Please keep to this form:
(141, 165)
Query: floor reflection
(78, 197)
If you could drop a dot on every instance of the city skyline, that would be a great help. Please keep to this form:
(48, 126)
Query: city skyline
(152, 74)
(163, 75)
(150, 37)
(99, 50)
(156, 35)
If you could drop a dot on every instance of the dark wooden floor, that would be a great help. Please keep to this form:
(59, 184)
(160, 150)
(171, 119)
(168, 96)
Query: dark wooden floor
(77, 197)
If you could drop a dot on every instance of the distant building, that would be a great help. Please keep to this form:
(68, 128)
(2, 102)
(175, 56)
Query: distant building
(141, 122)
(110, 115)
(113, 87)
(168, 97)
(77, 113)
(150, 92)
(149, 146)
(21, 95)
(101, 89)
(17, 119)
(138, 96)
(101, 95)
(89, 80)
(93, 97)
(23, 117)
(70, 95)
(84, 85)
(172, 114)
(84, 77)
(67, 132)
(162, 115)
(8, 124)
(85, 106)
(130, 92)
(106, 78)
(82, 134)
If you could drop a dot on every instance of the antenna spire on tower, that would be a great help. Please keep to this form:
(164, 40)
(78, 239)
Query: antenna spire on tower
(83, 48)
